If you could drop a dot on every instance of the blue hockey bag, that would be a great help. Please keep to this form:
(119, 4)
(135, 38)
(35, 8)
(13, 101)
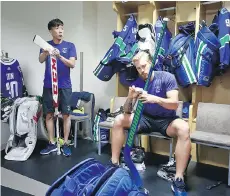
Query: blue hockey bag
(207, 57)
(180, 58)
(91, 178)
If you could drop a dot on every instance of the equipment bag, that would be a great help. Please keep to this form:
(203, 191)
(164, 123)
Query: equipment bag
(91, 178)
(180, 58)
(207, 58)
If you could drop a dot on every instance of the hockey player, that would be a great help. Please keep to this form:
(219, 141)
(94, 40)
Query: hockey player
(160, 103)
(65, 53)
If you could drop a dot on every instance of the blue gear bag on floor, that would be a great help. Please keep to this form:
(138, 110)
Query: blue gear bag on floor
(92, 178)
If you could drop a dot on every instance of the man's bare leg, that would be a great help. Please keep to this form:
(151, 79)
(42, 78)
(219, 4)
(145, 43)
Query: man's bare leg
(121, 122)
(50, 126)
(180, 129)
(66, 126)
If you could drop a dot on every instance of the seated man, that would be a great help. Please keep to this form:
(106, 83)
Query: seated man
(159, 115)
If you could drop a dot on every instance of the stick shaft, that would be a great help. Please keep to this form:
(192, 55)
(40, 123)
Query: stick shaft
(54, 77)
(137, 116)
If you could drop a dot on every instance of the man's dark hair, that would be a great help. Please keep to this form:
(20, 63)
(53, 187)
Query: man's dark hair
(54, 23)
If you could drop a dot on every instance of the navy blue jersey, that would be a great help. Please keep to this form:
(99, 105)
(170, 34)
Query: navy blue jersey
(67, 50)
(120, 53)
(223, 21)
(164, 44)
(11, 79)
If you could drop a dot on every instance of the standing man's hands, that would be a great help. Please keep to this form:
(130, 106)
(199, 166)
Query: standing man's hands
(56, 52)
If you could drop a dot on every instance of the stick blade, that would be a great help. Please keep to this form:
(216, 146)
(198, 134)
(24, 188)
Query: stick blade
(42, 43)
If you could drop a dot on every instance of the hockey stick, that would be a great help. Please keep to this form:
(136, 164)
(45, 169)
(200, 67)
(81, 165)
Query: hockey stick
(139, 109)
(53, 65)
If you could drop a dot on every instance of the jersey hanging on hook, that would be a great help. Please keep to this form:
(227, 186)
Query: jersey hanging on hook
(222, 19)
(12, 84)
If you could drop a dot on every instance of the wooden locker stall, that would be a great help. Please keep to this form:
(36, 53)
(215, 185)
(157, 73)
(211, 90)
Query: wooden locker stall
(219, 92)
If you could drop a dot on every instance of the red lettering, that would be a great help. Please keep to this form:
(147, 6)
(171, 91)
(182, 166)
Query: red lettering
(54, 77)
(55, 89)
(54, 64)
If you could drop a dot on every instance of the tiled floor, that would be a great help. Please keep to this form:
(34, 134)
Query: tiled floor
(34, 176)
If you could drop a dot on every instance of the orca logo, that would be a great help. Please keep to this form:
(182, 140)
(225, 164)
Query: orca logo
(158, 89)
(68, 108)
(64, 50)
(227, 21)
(206, 78)
(224, 11)
(130, 18)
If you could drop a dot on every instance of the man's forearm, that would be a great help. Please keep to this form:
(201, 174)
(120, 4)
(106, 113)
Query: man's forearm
(169, 104)
(128, 106)
(67, 62)
(42, 57)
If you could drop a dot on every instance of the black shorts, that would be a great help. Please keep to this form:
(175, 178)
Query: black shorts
(149, 124)
(64, 98)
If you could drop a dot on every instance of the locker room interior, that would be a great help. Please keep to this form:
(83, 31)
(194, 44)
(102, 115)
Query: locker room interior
(89, 25)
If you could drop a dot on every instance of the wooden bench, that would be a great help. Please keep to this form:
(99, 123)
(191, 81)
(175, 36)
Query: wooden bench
(116, 102)
(213, 127)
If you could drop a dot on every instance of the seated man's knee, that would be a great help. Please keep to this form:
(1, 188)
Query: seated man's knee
(118, 121)
(183, 131)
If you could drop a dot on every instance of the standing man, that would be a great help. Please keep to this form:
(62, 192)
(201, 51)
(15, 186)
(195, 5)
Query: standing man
(65, 53)
(159, 115)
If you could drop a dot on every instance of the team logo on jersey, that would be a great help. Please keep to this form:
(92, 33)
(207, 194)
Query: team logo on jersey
(224, 11)
(158, 89)
(64, 50)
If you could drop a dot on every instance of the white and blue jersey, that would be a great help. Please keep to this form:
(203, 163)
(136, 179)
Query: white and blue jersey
(11, 79)
(164, 44)
(222, 19)
(120, 53)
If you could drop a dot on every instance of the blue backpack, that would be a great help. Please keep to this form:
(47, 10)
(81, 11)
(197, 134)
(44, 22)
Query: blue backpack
(91, 178)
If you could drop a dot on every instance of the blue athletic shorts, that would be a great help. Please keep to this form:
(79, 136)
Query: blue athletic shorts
(149, 124)
(64, 98)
